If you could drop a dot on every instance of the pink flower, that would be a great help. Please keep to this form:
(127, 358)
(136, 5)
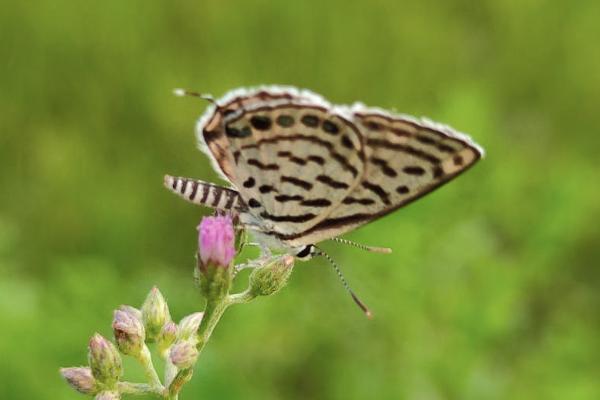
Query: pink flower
(216, 240)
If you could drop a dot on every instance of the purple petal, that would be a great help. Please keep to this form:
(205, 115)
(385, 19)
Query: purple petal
(216, 240)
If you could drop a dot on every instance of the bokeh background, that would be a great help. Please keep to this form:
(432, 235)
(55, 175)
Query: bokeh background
(493, 290)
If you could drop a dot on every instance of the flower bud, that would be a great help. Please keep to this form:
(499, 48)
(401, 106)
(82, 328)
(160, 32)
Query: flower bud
(184, 354)
(167, 336)
(129, 332)
(188, 326)
(80, 379)
(216, 241)
(107, 395)
(104, 360)
(268, 279)
(131, 310)
(155, 313)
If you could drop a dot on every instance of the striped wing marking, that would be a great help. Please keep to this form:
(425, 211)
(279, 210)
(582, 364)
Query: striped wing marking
(405, 159)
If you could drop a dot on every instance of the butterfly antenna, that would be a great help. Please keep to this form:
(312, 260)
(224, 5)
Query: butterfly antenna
(184, 92)
(358, 302)
(373, 249)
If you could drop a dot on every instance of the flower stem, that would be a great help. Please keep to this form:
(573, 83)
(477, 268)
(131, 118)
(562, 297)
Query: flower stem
(137, 388)
(145, 358)
(212, 314)
(240, 298)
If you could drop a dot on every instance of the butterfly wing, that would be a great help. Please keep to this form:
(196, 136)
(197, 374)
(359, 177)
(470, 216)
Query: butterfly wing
(290, 157)
(405, 159)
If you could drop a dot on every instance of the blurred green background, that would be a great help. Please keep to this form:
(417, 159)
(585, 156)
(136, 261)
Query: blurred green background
(493, 290)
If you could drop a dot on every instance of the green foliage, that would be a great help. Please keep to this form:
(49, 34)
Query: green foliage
(492, 289)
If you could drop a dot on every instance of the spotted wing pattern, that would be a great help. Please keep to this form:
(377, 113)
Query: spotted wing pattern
(405, 159)
(304, 170)
(292, 162)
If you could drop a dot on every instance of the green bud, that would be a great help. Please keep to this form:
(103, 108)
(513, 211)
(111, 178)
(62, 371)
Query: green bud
(105, 361)
(167, 336)
(80, 379)
(184, 354)
(188, 326)
(214, 279)
(268, 279)
(155, 314)
(107, 395)
(129, 331)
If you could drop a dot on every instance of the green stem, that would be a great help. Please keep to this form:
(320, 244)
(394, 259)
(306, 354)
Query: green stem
(137, 388)
(240, 298)
(145, 358)
(212, 314)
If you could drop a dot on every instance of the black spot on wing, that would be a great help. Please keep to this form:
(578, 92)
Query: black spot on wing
(297, 182)
(414, 170)
(346, 142)
(288, 218)
(232, 132)
(426, 139)
(378, 190)
(253, 203)
(310, 120)
(316, 203)
(402, 189)
(403, 148)
(353, 200)
(285, 121)
(330, 127)
(264, 167)
(283, 198)
(317, 159)
(260, 122)
(446, 148)
(385, 168)
(329, 181)
(249, 183)
(266, 189)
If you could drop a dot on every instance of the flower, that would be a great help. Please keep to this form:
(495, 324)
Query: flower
(183, 354)
(216, 241)
(216, 249)
(105, 361)
(129, 331)
(155, 313)
(80, 379)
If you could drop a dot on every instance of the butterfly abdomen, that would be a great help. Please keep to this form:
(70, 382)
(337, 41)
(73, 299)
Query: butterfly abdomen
(206, 194)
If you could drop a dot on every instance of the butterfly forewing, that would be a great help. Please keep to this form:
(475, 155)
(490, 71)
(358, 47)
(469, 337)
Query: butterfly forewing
(405, 159)
(292, 163)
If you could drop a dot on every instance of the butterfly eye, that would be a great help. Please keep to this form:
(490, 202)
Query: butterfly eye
(305, 253)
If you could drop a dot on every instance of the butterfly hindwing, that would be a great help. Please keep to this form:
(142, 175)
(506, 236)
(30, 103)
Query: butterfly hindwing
(405, 159)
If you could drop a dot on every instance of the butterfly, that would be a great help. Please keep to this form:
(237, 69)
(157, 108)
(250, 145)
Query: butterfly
(302, 170)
